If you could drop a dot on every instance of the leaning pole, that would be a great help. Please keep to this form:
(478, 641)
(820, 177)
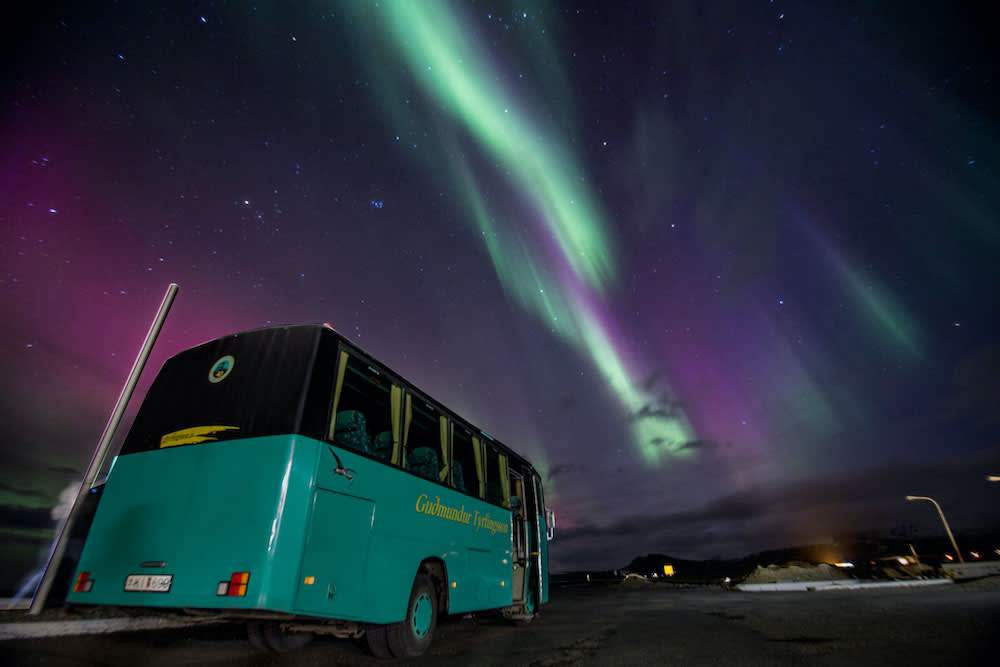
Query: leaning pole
(97, 461)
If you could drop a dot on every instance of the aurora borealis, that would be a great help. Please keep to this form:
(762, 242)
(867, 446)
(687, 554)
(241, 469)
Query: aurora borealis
(725, 274)
(563, 280)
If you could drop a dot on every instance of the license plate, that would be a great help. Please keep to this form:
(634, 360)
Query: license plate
(149, 583)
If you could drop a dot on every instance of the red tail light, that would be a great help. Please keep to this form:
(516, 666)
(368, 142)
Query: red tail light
(235, 587)
(83, 583)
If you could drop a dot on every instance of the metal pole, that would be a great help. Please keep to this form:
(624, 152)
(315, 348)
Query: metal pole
(97, 461)
(944, 521)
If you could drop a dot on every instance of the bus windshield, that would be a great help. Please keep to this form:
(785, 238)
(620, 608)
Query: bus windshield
(264, 382)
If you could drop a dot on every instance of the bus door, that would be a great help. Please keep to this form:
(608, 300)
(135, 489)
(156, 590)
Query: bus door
(538, 535)
(518, 537)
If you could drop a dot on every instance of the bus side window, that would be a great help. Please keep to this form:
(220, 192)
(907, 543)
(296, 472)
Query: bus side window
(361, 411)
(422, 437)
(465, 472)
(497, 482)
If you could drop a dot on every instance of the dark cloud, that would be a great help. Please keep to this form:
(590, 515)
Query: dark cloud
(652, 380)
(561, 469)
(780, 514)
(38, 538)
(661, 409)
(30, 493)
(15, 516)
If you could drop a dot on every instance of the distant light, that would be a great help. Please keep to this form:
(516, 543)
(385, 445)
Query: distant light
(845, 564)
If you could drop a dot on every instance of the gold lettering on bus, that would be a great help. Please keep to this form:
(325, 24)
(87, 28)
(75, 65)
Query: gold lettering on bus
(437, 509)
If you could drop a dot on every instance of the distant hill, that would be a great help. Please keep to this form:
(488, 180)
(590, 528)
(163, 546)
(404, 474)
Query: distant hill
(866, 553)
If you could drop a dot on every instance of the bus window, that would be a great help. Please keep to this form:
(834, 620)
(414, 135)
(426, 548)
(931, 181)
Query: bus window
(497, 483)
(240, 386)
(422, 438)
(362, 416)
(465, 472)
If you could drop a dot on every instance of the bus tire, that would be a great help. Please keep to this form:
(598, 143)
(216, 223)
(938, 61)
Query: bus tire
(377, 640)
(269, 636)
(412, 636)
(255, 634)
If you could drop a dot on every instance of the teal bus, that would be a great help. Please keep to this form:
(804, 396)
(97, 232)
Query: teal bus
(285, 478)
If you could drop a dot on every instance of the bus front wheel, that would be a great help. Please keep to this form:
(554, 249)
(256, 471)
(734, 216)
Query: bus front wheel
(412, 636)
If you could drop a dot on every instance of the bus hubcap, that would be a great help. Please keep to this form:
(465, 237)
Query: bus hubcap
(422, 613)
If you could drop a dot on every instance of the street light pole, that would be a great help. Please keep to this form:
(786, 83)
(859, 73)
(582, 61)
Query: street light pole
(944, 521)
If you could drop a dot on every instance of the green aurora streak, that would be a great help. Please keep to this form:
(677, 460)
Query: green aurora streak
(541, 168)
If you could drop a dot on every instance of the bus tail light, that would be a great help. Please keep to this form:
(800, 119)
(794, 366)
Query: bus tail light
(83, 583)
(235, 587)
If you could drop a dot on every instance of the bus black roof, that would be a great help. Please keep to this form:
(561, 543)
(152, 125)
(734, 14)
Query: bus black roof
(357, 349)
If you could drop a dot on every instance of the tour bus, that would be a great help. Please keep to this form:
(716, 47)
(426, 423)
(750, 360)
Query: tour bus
(284, 477)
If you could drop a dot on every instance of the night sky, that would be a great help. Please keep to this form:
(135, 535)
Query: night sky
(727, 275)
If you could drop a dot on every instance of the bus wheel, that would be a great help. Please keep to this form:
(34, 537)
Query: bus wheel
(378, 642)
(412, 636)
(268, 635)
(255, 633)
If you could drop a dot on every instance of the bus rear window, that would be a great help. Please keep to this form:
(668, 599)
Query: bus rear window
(241, 386)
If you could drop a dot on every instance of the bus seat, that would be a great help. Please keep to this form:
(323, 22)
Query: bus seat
(424, 462)
(383, 445)
(350, 430)
(458, 478)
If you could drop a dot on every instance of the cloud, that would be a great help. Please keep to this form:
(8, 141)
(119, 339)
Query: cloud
(16, 516)
(561, 469)
(775, 515)
(66, 499)
(661, 408)
(30, 493)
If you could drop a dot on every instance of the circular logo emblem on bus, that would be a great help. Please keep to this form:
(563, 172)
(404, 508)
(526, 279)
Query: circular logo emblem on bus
(221, 369)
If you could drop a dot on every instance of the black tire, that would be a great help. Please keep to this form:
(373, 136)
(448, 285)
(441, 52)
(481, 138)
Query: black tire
(412, 636)
(378, 641)
(268, 636)
(255, 633)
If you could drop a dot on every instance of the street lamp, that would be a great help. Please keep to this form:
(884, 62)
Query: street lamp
(943, 520)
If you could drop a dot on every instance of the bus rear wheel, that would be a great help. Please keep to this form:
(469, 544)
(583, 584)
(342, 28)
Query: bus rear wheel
(377, 640)
(413, 635)
(268, 635)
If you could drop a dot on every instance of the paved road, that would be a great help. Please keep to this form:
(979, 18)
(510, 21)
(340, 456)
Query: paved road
(939, 625)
